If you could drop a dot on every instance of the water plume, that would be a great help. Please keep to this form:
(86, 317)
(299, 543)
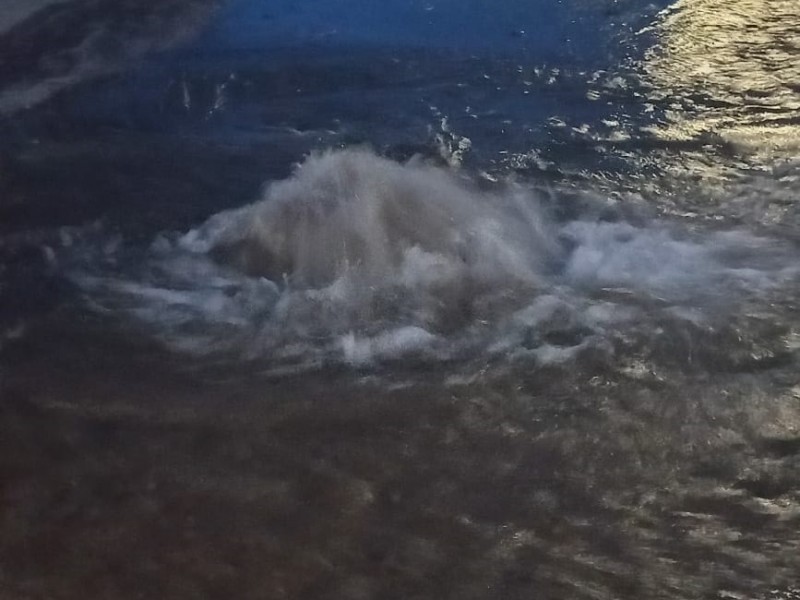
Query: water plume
(356, 258)
(354, 214)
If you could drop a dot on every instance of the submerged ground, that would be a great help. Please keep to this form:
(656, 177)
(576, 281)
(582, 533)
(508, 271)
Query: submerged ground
(420, 300)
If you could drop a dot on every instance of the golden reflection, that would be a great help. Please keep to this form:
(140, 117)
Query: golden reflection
(730, 68)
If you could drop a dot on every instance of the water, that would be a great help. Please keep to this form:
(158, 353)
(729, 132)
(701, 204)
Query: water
(425, 300)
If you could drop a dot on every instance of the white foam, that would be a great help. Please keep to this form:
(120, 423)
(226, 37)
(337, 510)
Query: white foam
(656, 260)
(357, 259)
(353, 212)
(397, 343)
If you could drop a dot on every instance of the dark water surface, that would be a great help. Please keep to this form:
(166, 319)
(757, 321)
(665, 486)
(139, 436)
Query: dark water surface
(423, 299)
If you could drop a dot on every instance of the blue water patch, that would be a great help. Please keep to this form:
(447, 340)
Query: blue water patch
(540, 87)
(549, 29)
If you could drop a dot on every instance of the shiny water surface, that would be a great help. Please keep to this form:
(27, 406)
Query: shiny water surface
(423, 299)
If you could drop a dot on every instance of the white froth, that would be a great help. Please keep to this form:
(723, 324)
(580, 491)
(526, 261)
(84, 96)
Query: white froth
(397, 343)
(356, 259)
(654, 260)
(353, 213)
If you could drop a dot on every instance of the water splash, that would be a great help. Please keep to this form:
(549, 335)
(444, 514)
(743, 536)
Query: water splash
(356, 258)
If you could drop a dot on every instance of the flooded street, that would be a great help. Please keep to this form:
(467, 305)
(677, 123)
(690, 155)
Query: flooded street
(422, 300)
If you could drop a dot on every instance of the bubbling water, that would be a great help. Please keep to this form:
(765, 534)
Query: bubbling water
(352, 214)
(356, 243)
(357, 258)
